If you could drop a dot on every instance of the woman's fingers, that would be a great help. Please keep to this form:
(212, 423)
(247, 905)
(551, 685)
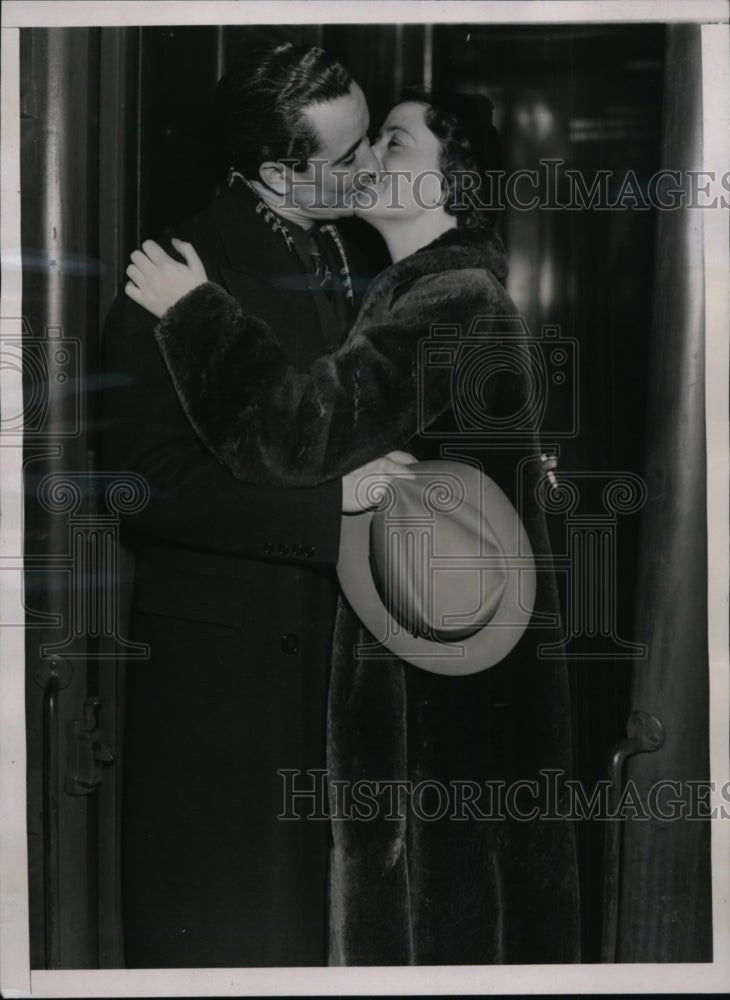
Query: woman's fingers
(133, 293)
(143, 263)
(395, 463)
(393, 467)
(361, 489)
(187, 250)
(152, 264)
(135, 275)
(150, 258)
(404, 457)
(155, 252)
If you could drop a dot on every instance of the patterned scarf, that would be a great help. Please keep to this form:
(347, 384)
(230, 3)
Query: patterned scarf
(329, 231)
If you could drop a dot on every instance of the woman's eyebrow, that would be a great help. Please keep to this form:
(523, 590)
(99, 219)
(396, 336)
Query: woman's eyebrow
(396, 128)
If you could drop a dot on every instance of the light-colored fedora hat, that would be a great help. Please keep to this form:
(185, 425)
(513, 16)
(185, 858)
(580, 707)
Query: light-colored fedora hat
(441, 573)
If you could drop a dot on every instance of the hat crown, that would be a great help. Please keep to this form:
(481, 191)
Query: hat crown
(428, 551)
(450, 520)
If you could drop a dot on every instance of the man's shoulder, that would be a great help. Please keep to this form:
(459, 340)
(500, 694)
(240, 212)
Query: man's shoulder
(229, 232)
(210, 227)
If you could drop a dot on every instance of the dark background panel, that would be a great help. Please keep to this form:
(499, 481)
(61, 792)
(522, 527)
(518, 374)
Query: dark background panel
(137, 155)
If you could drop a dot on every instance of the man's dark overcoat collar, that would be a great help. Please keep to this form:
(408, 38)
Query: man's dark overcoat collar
(234, 213)
(258, 243)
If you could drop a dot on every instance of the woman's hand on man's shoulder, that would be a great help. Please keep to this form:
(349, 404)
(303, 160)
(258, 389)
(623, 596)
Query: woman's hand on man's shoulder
(157, 281)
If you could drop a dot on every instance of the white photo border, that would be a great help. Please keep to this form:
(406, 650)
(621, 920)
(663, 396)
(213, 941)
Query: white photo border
(16, 977)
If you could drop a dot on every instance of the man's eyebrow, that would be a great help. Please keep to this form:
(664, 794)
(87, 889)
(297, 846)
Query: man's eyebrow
(349, 151)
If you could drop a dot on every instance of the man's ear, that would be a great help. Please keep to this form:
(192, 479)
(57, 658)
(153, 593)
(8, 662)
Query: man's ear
(275, 176)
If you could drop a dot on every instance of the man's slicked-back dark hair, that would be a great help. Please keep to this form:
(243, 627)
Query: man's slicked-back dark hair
(259, 105)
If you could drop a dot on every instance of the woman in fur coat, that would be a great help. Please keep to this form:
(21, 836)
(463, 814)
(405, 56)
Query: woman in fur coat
(494, 881)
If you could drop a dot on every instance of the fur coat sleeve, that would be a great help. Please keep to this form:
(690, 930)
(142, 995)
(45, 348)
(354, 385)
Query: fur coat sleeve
(269, 423)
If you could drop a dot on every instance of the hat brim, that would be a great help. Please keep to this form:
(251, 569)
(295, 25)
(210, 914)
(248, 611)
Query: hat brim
(491, 644)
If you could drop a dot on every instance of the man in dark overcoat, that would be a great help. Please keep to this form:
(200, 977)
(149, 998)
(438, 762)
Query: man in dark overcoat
(234, 588)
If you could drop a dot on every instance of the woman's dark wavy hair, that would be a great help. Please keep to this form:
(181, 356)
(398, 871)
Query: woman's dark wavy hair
(470, 147)
(259, 105)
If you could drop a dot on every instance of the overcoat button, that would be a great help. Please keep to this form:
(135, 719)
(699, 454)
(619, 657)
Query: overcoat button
(289, 642)
(268, 548)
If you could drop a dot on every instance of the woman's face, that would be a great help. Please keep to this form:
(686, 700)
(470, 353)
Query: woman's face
(409, 153)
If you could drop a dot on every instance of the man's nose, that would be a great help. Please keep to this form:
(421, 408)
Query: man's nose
(371, 164)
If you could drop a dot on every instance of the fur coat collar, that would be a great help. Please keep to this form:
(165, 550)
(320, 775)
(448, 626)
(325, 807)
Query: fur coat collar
(455, 250)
